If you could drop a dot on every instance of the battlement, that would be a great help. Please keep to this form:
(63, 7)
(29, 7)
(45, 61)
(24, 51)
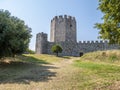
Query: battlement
(64, 17)
(42, 34)
(92, 42)
(63, 32)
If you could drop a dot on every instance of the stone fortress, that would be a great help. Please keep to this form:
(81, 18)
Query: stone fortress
(63, 33)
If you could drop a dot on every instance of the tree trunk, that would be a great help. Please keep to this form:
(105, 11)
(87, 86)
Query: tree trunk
(57, 54)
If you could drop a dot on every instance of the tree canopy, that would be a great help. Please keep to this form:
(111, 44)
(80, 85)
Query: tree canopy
(110, 28)
(14, 35)
(56, 49)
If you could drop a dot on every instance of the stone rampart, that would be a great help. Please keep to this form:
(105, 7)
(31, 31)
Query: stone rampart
(74, 49)
(63, 32)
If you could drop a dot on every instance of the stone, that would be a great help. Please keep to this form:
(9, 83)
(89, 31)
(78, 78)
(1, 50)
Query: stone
(63, 32)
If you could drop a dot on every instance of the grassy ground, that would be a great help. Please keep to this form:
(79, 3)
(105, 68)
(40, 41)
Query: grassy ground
(99, 70)
(27, 67)
(93, 71)
(28, 71)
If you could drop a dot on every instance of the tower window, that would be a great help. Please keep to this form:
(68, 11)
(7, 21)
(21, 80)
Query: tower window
(70, 25)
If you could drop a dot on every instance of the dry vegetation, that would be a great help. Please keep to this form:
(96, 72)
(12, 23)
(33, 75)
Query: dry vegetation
(94, 71)
(101, 70)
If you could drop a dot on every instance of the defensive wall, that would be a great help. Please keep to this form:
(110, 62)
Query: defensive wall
(63, 32)
(72, 48)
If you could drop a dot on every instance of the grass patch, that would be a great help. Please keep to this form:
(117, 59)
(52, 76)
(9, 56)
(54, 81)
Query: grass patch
(96, 75)
(98, 71)
(110, 56)
(45, 58)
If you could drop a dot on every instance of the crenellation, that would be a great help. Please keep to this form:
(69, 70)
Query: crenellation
(80, 42)
(96, 42)
(63, 32)
(101, 42)
(69, 17)
(88, 42)
(65, 16)
(92, 41)
(60, 17)
(84, 42)
(51, 20)
(106, 42)
(73, 18)
(55, 18)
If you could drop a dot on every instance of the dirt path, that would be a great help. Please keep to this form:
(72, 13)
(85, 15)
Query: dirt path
(62, 80)
(59, 76)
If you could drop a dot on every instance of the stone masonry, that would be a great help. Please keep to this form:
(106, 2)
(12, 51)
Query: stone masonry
(63, 29)
(63, 32)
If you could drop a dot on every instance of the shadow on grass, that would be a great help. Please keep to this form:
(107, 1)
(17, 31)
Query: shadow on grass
(31, 59)
(65, 57)
(26, 70)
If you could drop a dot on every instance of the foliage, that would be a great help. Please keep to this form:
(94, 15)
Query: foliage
(29, 51)
(110, 28)
(56, 49)
(14, 35)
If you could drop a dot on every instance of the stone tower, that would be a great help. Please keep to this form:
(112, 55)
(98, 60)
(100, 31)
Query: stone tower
(63, 28)
(41, 43)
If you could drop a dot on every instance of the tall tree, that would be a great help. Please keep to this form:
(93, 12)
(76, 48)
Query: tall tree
(110, 28)
(14, 35)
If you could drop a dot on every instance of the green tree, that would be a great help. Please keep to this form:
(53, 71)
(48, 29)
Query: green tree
(56, 49)
(14, 35)
(110, 28)
(29, 51)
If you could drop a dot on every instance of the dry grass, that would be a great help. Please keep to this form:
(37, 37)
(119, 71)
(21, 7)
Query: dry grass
(110, 56)
(93, 71)
(101, 70)
(30, 72)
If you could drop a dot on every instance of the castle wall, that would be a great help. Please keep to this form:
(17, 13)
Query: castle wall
(63, 33)
(71, 48)
(74, 49)
(90, 46)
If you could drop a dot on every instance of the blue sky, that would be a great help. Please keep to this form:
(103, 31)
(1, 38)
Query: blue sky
(37, 14)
